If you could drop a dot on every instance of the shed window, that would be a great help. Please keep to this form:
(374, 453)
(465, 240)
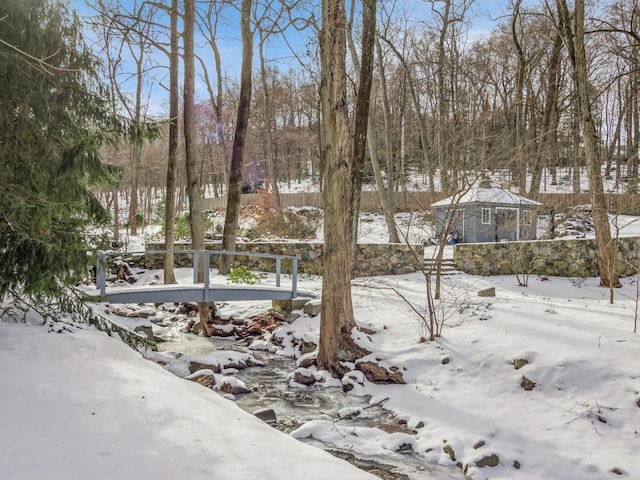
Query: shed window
(486, 215)
(526, 219)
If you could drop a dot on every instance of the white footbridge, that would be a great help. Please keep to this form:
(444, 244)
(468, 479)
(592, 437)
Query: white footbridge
(209, 290)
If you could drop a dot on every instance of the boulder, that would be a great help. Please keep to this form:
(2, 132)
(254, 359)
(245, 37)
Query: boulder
(204, 377)
(267, 415)
(233, 386)
(487, 292)
(527, 384)
(222, 330)
(312, 307)
(308, 347)
(304, 376)
(146, 330)
(352, 380)
(518, 363)
(195, 366)
(448, 449)
(488, 461)
(307, 360)
(406, 269)
(378, 374)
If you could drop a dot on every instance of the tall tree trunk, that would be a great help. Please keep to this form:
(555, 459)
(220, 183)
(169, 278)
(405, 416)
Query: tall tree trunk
(337, 322)
(614, 146)
(194, 185)
(136, 148)
(234, 193)
(632, 169)
(391, 176)
(443, 110)
(549, 127)
(268, 125)
(210, 21)
(116, 214)
(387, 209)
(133, 200)
(361, 115)
(573, 34)
(520, 169)
(428, 165)
(172, 161)
(577, 151)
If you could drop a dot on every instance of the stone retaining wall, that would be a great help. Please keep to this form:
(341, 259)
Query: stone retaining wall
(559, 257)
(371, 259)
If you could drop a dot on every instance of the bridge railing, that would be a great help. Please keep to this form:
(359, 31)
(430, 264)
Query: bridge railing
(102, 256)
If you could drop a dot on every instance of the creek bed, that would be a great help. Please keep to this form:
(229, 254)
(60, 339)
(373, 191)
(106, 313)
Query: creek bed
(295, 406)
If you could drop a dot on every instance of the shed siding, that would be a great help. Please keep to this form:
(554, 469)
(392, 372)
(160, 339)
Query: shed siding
(471, 229)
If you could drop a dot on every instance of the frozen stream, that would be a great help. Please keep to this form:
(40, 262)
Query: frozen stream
(293, 407)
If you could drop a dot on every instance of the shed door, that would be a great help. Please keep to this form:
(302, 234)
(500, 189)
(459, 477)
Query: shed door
(507, 224)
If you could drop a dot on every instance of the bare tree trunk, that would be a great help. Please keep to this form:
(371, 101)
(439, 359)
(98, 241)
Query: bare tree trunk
(337, 322)
(268, 125)
(361, 118)
(385, 194)
(577, 154)
(549, 127)
(210, 20)
(194, 189)
(427, 164)
(441, 123)
(174, 107)
(387, 210)
(116, 214)
(573, 34)
(632, 169)
(615, 140)
(133, 201)
(136, 149)
(391, 177)
(237, 156)
(520, 164)
(193, 181)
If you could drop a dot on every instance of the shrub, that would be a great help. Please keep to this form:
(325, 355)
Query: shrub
(288, 223)
(242, 275)
(181, 227)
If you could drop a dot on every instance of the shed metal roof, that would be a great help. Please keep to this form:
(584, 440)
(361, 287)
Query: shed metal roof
(487, 195)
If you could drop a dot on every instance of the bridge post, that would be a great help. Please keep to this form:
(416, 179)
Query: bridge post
(101, 274)
(294, 277)
(196, 257)
(207, 266)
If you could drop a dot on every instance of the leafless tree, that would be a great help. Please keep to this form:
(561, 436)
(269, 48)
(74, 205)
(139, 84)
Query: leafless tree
(571, 26)
(172, 158)
(237, 156)
(336, 344)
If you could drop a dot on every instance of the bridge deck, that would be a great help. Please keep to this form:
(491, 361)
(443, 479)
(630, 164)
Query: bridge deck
(190, 293)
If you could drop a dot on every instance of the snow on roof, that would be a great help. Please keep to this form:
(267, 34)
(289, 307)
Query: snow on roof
(486, 195)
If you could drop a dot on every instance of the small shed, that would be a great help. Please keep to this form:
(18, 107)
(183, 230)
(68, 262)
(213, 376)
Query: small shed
(487, 214)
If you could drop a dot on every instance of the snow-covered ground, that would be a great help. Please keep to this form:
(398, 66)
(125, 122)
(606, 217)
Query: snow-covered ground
(79, 404)
(76, 403)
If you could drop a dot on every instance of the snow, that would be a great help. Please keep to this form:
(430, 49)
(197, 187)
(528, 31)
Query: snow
(486, 195)
(76, 403)
(83, 405)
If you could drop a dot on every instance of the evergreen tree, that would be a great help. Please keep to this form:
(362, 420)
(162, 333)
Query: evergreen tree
(53, 121)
